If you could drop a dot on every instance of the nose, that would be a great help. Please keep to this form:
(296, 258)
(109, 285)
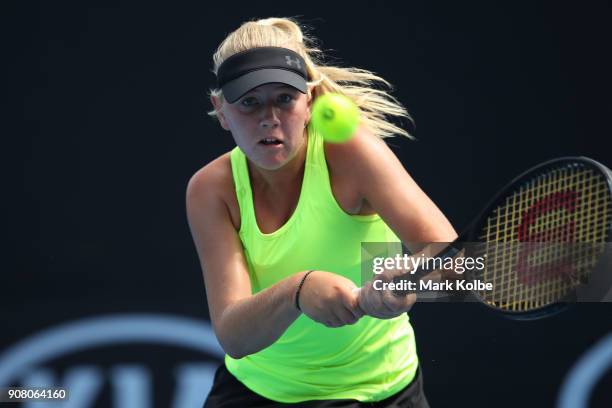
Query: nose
(269, 117)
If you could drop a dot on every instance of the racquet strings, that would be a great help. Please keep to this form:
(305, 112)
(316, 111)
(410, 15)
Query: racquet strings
(544, 239)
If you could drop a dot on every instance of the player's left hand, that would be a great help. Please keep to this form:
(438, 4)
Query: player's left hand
(384, 304)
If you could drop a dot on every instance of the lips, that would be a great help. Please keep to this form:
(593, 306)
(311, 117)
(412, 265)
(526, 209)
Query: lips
(270, 141)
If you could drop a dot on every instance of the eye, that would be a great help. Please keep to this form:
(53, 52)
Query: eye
(285, 98)
(249, 101)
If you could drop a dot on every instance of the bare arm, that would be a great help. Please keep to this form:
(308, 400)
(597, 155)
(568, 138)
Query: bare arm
(246, 323)
(383, 182)
(236, 314)
(390, 190)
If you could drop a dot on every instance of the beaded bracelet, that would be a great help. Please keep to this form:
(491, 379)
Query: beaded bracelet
(299, 288)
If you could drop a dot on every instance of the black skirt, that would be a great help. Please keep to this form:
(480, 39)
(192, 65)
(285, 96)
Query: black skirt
(228, 392)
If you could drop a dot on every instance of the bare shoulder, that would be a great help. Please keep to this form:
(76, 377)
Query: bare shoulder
(214, 184)
(358, 153)
(211, 179)
(352, 164)
(359, 157)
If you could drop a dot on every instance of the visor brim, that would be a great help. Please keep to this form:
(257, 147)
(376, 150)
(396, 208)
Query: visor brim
(233, 90)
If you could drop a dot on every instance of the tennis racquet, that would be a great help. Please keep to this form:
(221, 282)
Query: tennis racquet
(544, 237)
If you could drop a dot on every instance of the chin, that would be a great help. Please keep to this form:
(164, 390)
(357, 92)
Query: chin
(274, 161)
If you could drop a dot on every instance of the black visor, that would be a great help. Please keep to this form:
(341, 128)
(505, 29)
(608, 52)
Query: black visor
(249, 69)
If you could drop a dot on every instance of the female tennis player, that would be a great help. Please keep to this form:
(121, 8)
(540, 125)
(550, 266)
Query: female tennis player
(278, 222)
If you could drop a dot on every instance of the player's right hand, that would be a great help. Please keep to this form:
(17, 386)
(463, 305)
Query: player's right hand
(329, 299)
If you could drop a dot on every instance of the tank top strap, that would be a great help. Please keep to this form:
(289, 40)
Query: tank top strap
(318, 186)
(242, 186)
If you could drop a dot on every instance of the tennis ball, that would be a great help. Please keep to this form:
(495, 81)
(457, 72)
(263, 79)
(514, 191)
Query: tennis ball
(335, 117)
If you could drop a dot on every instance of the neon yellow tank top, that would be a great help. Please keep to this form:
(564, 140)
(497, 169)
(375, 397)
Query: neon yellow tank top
(368, 361)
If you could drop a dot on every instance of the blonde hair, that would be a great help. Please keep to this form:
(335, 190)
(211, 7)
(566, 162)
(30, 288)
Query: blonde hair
(368, 90)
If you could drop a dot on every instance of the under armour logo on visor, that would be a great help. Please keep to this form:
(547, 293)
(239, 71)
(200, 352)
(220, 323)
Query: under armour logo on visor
(290, 61)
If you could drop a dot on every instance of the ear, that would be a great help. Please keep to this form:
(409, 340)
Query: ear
(308, 105)
(218, 104)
